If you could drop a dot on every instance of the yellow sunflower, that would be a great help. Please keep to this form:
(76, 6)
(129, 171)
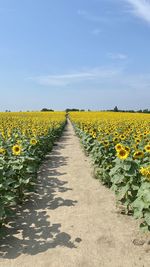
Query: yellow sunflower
(145, 171)
(16, 150)
(147, 148)
(137, 140)
(115, 139)
(127, 149)
(106, 143)
(33, 142)
(2, 151)
(138, 154)
(122, 154)
(118, 147)
(122, 137)
(94, 135)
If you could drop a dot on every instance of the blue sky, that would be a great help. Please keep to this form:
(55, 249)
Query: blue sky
(74, 53)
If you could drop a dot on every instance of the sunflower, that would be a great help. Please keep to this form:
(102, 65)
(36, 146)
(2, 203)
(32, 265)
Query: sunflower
(127, 149)
(115, 139)
(106, 143)
(122, 137)
(94, 135)
(147, 148)
(137, 140)
(145, 171)
(118, 147)
(2, 151)
(138, 154)
(33, 142)
(122, 154)
(16, 150)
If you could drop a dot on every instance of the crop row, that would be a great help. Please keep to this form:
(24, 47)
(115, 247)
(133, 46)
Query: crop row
(119, 145)
(25, 138)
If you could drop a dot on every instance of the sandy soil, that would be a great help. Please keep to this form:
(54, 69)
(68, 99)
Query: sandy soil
(71, 220)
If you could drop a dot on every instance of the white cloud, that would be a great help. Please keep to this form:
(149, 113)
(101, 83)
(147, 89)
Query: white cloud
(97, 80)
(119, 56)
(141, 8)
(62, 80)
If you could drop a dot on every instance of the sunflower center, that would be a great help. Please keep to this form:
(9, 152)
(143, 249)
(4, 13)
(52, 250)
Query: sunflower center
(122, 153)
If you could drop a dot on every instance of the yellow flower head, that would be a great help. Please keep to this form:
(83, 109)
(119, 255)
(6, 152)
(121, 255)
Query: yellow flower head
(147, 148)
(33, 142)
(127, 149)
(94, 135)
(2, 151)
(138, 154)
(137, 140)
(106, 143)
(16, 150)
(122, 137)
(122, 154)
(115, 139)
(118, 147)
(145, 171)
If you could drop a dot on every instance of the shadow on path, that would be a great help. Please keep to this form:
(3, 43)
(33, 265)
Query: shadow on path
(31, 232)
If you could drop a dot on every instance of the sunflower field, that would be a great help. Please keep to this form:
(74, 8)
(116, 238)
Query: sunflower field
(119, 144)
(25, 137)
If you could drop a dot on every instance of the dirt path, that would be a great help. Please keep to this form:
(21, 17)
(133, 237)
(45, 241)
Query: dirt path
(71, 221)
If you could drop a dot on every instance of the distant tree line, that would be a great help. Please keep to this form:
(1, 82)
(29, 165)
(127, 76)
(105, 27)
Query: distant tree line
(115, 109)
(112, 110)
(47, 109)
(74, 109)
(129, 110)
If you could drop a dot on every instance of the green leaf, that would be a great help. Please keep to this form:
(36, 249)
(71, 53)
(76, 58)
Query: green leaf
(114, 170)
(117, 178)
(134, 187)
(2, 212)
(127, 166)
(147, 217)
(26, 181)
(137, 214)
(123, 191)
(139, 204)
(144, 227)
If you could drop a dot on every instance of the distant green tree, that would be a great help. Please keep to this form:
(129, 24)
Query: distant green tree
(116, 109)
(145, 110)
(71, 109)
(46, 109)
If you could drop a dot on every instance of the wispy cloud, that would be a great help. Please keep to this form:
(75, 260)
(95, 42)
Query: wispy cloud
(98, 80)
(117, 56)
(140, 8)
(88, 16)
(62, 80)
